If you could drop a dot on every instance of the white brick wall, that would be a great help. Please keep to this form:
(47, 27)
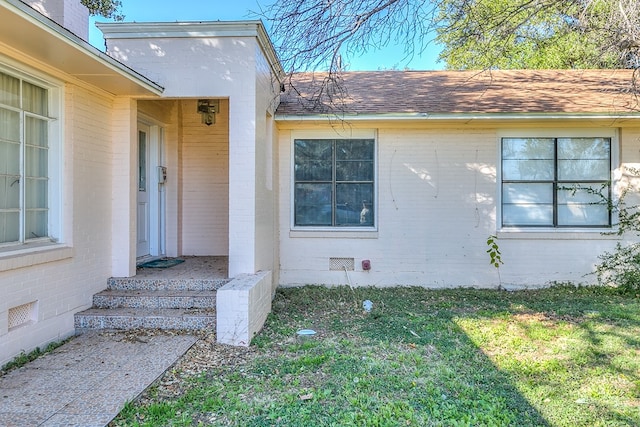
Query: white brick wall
(436, 192)
(242, 308)
(66, 283)
(267, 92)
(204, 184)
(124, 187)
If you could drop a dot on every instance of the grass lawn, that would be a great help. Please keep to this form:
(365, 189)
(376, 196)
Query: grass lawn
(561, 356)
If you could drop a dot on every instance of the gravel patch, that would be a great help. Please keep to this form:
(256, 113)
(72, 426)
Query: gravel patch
(204, 355)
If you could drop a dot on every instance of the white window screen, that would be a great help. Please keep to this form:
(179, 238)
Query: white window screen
(24, 160)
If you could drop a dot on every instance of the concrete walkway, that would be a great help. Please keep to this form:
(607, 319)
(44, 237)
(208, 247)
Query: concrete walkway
(87, 381)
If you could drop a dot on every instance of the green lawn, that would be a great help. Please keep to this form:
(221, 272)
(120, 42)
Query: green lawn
(562, 356)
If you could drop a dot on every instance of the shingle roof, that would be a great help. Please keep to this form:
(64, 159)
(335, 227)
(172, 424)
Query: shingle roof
(442, 92)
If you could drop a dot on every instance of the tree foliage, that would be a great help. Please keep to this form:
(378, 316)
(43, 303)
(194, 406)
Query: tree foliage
(107, 8)
(475, 34)
(561, 34)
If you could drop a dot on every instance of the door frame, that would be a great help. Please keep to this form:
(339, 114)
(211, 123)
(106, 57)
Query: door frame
(156, 188)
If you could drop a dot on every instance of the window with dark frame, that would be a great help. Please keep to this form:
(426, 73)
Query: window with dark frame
(334, 182)
(556, 182)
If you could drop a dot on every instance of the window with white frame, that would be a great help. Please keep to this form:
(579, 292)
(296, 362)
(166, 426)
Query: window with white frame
(25, 160)
(556, 182)
(334, 182)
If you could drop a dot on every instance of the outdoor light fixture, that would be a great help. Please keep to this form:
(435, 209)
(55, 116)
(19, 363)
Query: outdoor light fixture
(207, 108)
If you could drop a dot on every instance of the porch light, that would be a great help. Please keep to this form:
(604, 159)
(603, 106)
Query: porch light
(207, 108)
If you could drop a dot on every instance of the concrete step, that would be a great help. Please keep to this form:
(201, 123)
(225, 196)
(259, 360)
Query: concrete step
(137, 284)
(145, 318)
(113, 298)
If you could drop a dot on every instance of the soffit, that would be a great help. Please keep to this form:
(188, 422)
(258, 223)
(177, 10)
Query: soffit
(28, 32)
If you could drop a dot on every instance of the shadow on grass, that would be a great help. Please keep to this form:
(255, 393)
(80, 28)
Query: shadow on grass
(555, 357)
(408, 353)
(561, 356)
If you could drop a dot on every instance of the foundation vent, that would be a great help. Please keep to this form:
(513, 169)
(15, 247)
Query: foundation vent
(22, 315)
(341, 264)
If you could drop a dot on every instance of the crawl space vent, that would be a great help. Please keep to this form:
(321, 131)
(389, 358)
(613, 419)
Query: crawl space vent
(21, 315)
(341, 264)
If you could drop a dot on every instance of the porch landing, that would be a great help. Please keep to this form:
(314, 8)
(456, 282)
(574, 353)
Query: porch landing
(193, 268)
(179, 297)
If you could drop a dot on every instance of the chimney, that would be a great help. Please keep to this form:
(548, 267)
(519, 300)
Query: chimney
(71, 14)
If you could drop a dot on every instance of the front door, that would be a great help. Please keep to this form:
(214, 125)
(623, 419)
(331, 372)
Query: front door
(144, 211)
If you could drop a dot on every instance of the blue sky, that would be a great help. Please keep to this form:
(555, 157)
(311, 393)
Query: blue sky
(235, 10)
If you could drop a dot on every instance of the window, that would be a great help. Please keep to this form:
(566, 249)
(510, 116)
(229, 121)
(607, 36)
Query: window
(334, 182)
(556, 182)
(25, 157)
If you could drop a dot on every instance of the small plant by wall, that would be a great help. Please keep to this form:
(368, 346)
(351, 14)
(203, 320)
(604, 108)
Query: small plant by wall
(495, 257)
(621, 268)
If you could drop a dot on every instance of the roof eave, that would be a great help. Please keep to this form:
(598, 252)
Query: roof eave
(466, 117)
(27, 31)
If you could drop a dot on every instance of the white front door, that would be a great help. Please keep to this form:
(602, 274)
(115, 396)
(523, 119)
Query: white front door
(144, 211)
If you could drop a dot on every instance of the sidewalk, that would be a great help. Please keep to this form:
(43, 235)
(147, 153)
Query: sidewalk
(87, 381)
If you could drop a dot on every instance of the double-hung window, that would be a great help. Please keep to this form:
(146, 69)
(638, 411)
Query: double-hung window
(556, 182)
(334, 182)
(24, 160)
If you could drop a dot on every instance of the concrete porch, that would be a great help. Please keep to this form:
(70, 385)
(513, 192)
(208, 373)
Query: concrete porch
(178, 297)
(193, 268)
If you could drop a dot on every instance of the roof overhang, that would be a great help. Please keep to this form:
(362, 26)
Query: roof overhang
(26, 31)
(190, 29)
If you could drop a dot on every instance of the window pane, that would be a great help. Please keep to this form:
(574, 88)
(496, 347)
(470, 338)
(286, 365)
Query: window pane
(142, 161)
(35, 131)
(36, 224)
(527, 170)
(514, 215)
(527, 148)
(34, 99)
(9, 192)
(36, 162)
(313, 204)
(529, 193)
(583, 159)
(9, 125)
(527, 204)
(9, 90)
(9, 227)
(583, 204)
(354, 149)
(354, 160)
(35, 193)
(354, 171)
(583, 170)
(584, 148)
(595, 194)
(313, 159)
(582, 215)
(9, 158)
(354, 204)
